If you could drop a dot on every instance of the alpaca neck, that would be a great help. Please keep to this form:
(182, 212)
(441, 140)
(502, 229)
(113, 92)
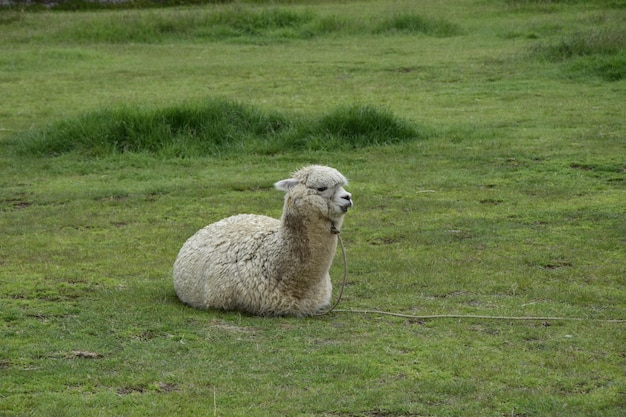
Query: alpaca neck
(312, 242)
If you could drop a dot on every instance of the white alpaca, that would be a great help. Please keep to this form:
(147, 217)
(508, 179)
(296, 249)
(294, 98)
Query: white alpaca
(266, 266)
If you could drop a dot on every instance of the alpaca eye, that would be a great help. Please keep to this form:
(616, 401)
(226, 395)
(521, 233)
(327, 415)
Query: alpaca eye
(322, 189)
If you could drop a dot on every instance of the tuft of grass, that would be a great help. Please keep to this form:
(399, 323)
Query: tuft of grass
(593, 42)
(266, 22)
(240, 23)
(214, 127)
(611, 68)
(326, 25)
(413, 23)
(362, 126)
(593, 53)
(156, 26)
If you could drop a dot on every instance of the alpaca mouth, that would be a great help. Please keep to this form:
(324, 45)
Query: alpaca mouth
(345, 208)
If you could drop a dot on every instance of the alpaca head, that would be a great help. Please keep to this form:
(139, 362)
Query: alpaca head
(319, 190)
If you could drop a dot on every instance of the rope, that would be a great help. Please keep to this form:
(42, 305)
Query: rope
(473, 316)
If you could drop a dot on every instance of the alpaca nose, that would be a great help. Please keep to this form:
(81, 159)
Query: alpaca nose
(348, 197)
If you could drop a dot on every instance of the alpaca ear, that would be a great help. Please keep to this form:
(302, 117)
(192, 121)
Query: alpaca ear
(286, 185)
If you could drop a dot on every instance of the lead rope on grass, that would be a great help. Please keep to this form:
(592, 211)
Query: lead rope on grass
(336, 231)
(473, 316)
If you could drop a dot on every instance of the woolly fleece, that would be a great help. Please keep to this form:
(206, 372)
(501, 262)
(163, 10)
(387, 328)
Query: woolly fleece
(265, 266)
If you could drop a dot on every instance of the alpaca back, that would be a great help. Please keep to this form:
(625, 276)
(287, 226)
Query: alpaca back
(226, 264)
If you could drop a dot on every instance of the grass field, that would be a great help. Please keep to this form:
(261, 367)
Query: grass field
(485, 142)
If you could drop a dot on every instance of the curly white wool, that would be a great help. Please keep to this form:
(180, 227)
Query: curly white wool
(267, 266)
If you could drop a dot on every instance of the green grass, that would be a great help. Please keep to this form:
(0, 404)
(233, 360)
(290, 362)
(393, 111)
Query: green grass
(235, 23)
(600, 53)
(214, 128)
(412, 23)
(488, 172)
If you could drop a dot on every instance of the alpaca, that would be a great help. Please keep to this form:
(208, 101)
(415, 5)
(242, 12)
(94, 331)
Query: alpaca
(265, 266)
